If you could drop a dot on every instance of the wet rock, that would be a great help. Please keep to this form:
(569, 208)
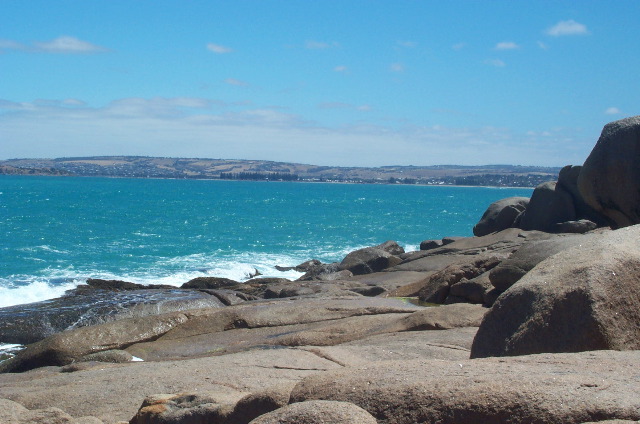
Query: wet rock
(24, 324)
(67, 347)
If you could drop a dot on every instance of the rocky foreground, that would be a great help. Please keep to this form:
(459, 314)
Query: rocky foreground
(539, 323)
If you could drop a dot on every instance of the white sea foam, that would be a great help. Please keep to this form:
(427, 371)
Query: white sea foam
(35, 291)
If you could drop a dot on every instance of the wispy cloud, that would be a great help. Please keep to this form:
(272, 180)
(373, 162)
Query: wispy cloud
(341, 105)
(569, 27)
(407, 44)
(320, 45)
(542, 45)
(341, 68)
(495, 62)
(506, 45)
(459, 46)
(612, 111)
(397, 67)
(236, 82)
(218, 49)
(62, 45)
(190, 127)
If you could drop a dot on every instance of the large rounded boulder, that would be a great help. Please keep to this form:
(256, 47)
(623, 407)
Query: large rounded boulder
(583, 298)
(500, 215)
(610, 177)
(550, 205)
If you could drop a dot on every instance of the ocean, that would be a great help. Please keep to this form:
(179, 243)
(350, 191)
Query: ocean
(55, 232)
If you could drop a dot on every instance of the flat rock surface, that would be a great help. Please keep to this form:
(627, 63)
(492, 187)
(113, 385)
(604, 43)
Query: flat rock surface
(121, 388)
(546, 388)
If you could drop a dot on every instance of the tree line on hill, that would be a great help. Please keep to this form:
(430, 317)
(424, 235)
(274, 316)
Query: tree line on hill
(259, 176)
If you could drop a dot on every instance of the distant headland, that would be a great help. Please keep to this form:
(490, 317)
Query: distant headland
(231, 169)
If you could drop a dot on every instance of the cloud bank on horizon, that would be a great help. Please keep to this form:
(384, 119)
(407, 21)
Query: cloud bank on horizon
(353, 84)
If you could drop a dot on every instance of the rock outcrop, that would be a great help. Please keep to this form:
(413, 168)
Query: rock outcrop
(583, 298)
(609, 178)
(500, 215)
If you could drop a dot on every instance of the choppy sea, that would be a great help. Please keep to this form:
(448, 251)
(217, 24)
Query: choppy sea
(55, 232)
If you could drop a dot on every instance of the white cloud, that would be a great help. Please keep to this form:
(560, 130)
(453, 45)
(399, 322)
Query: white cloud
(341, 68)
(612, 111)
(217, 48)
(397, 67)
(495, 62)
(507, 45)
(63, 44)
(236, 82)
(542, 45)
(459, 46)
(569, 27)
(66, 44)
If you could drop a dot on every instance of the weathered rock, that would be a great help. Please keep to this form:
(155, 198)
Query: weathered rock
(259, 403)
(442, 318)
(392, 281)
(317, 412)
(608, 181)
(117, 285)
(503, 242)
(209, 283)
(113, 355)
(66, 347)
(452, 239)
(536, 389)
(186, 408)
(24, 324)
(583, 298)
(550, 204)
(437, 288)
(372, 259)
(500, 215)
(14, 413)
(568, 180)
(274, 323)
(529, 255)
(580, 226)
(473, 290)
(114, 392)
(430, 244)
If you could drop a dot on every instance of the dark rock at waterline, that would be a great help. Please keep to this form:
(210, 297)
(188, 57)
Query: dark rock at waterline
(24, 324)
(430, 244)
(609, 178)
(209, 283)
(372, 259)
(118, 285)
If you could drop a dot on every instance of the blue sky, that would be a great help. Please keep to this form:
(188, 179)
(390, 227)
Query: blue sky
(362, 83)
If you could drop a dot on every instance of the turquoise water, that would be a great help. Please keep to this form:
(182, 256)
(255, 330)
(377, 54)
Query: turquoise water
(58, 231)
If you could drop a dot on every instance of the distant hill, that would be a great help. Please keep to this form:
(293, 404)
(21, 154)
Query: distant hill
(157, 167)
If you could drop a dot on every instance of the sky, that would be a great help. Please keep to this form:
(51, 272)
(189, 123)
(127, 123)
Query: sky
(342, 83)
